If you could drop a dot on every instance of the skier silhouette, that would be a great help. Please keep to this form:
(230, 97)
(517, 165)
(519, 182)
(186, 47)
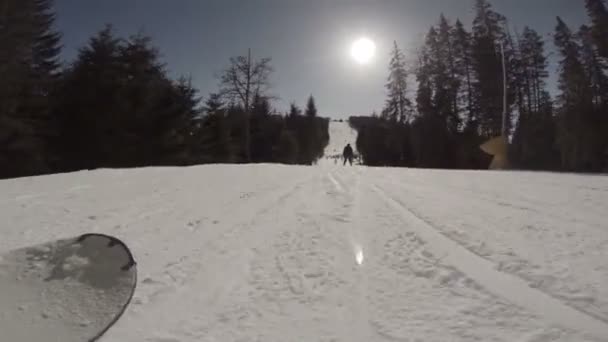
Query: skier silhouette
(348, 154)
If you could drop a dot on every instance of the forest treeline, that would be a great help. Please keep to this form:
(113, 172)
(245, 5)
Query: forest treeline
(116, 106)
(458, 101)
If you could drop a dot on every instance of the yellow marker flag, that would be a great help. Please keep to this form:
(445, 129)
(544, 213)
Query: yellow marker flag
(497, 147)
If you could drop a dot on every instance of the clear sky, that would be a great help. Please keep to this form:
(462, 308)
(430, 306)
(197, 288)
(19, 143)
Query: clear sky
(308, 40)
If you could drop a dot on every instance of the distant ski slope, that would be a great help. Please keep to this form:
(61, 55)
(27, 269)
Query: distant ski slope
(332, 253)
(340, 134)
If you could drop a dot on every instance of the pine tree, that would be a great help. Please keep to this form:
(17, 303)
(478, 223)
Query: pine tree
(94, 70)
(262, 130)
(488, 33)
(294, 110)
(528, 72)
(29, 50)
(424, 94)
(46, 47)
(535, 67)
(287, 150)
(212, 134)
(214, 104)
(439, 69)
(534, 136)
(447, 84)
(575, 103)
(311, 108)
(598, 38)
(317, 132)
(177, 143)
(599, 29)
(595, 70)
(118, 108)
(595, 67)
(398, 106)
(308, 145)
(430, 130)
(464, 73)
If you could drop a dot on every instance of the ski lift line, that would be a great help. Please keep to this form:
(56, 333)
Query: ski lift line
(504, 95)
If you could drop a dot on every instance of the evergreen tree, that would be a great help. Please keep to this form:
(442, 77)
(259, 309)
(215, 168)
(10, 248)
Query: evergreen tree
(398, 106)
(176, 127)
(595, 67)
(46, 46)
(213, 143)
(488, 34)
(310, 132)
(118, 108)
(533, 144)
(429, 138)
(214, 104)
(309, 146)
(575, 104)
(263, 130)
(534, 64)
(294, 110)
(29, 50)
(464, 74)
(447, 84)
(311, 108)
(287, 149)
(424, 94)
(82, 133)
(599, 29)
(317, 129)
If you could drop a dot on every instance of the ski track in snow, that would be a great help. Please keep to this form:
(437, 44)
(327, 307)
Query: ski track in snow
(511, 288)
(332, 253)
(552, 256)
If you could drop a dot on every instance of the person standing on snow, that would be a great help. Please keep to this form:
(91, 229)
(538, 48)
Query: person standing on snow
(348, 154)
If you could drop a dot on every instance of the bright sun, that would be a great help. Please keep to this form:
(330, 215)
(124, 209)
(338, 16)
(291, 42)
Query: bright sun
(363, 50)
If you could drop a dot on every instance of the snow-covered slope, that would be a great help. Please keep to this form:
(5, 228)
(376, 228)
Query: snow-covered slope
(340, 134)
(331, 253)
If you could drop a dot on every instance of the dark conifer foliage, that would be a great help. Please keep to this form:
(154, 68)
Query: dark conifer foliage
(398, 106)
(533, 142)
(29, 66)
(311, 132)
(459, 98)
(464, 76)
(118, 108)
(311, 108)
(115, 106)
(598, 12)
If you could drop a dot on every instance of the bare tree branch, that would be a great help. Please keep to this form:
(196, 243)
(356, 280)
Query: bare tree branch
(242, 81)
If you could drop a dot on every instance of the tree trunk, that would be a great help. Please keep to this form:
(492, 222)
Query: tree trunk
(247, 111)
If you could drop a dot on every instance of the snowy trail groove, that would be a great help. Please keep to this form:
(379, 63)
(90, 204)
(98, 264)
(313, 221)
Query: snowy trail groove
(554, 240)
(482, 271)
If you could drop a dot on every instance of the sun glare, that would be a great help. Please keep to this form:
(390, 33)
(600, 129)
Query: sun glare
(359, 256)
(363, 50)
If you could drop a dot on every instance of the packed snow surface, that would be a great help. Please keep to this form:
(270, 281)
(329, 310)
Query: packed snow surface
(332, 253)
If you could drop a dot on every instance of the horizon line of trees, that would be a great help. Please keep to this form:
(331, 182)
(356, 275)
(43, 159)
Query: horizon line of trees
(458, 103)
(115, 106)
